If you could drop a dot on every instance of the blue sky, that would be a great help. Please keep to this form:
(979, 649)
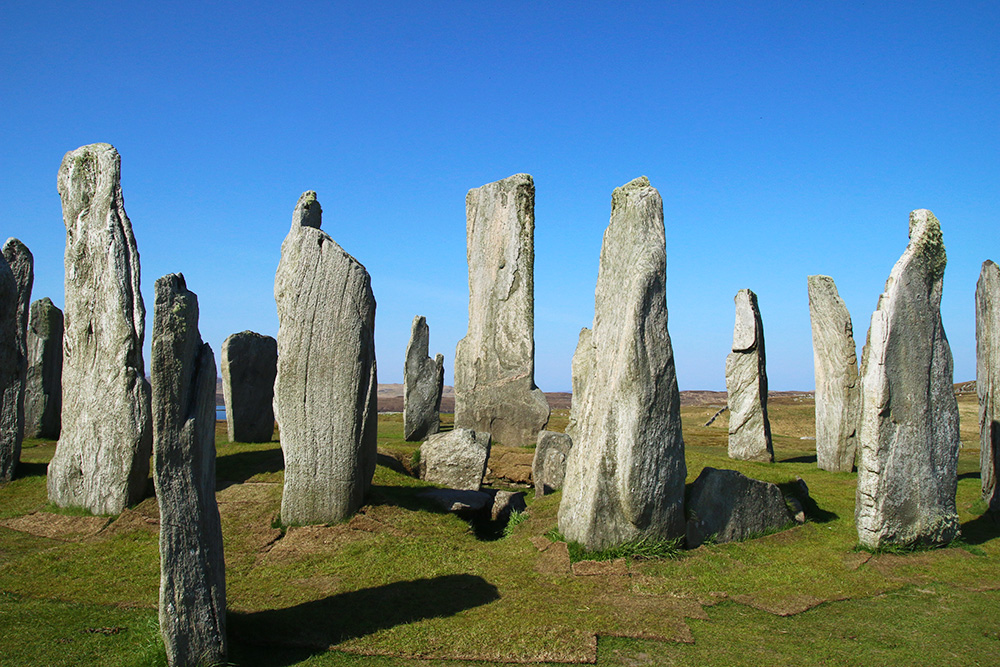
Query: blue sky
(786, 138)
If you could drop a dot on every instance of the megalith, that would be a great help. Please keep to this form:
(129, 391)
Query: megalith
(907, 469)
(625, 471)
(10, 374)
(727, 506)
(838, 394)
(582, 369)
(192, 566)
(43, 389)
(326, 389)
(249, 365)
(456, 459)
(988, 379)
(746, 385)
(495, 363)
(423, 382)
(101, 462)
(548, 467)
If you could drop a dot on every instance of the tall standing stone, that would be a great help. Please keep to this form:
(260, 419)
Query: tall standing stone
(249, 366)
(988, 379)
(838, 396)
(192, 566)
(423, 382)
(625, 471)
(746, 385)
(102, 460)
(495, 363)
(10, 374)
(326, 390)
(582, 370)
(43, 390)
(907, 472)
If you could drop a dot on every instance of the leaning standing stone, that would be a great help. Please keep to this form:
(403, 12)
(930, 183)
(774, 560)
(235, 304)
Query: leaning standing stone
(249, 365)
(102, 460)
(838, 396)
(326, 389)
(495, 363)
(625, 472)
(192, 567)
(43, 391)
(988, 379)
(907, 472)
(10, 376)
(423, 382)
(746, 384)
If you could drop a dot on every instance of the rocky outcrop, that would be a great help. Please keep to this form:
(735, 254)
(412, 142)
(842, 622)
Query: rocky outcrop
(326, 388)
(495, 363)
(456, 459)
(192, 566)
(10, 374)
(423, 382)
(249, 366)
(726, 506)
(988, 380)
(548, 469)
(907, 470)
(102, 460)
(746, 384)
(43, 390)
(838, 394)
(625, 472)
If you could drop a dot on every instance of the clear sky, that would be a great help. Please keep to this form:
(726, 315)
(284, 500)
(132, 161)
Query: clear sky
(786, 138)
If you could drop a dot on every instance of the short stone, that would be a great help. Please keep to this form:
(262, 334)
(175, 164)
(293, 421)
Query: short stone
(727, 506)
(549, 466)
(455, 459)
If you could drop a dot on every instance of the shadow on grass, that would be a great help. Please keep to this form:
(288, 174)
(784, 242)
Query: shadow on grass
(982, 529)
(320, 624)
(970, 475)
(31, 469)
(800, 459)
(393, 464)
(241, 466)
(814, 512)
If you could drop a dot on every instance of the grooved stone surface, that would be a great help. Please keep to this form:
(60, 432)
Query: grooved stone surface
(10, 374)
(548, 469)
(625, 472)
(907, 472)
(43, 390)
(423, 382)
(988, 378)
(249, 366)
(746, 385)
(326, 388)
(582, 370)
(495, 363)
(102, 460)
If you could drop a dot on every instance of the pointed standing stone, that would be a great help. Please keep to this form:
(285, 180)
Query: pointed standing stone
(625, 471)
(582, 370)
(423, 382)
(249, 366)
(988, 379)
(907, 471)
(192, 566)
(746, 384)
(495, 363)
(102, 460)
(326, 389)
(43, 391)
(10, 374)
(838, 394)
(22, 265)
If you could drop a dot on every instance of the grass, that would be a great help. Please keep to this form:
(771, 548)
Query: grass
(405, 584)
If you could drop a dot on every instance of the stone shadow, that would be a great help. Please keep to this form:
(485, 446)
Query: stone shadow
(320, 624)
(240, 466)
(982, 529)
(813, 511)
(799, 459)
(25, 469)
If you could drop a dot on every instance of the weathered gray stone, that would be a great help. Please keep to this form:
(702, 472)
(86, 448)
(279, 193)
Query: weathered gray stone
(582, 370)
(249, 366)
(192, 566)
(988, 379)
(21, 264)
(907, 470)
(728, 506)
(625, 472)
(10, 374)
(326, 389)
(495, 363)
(102, 460)
(746, 385)
(838, 394)
(548, 469)
(456, 459)
(506, 503)
(43, 390)
(423, 382)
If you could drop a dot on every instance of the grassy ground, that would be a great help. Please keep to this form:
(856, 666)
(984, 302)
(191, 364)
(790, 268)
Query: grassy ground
(403, 584)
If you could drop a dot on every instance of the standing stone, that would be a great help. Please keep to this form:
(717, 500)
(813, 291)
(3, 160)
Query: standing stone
(838, 396)
(582, 369)
(43, 391)
(10, 375)
(456, 459)
(988, 379)
(495, 363)
(249, 365)
(102, 460)
(746, 384)
(625, 472)
(907, 472)
(326, 389)
(423, 382)
(548, 468)
(192, 566)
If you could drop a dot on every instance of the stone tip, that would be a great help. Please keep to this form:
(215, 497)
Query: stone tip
(926, 240)
(308, 212)
(172, 281)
